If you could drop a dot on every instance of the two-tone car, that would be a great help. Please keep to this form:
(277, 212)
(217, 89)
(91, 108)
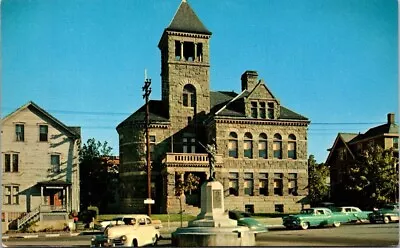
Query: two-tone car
(136, 231)
(245, 219)
(354, 214)
(388, 213)
(312, 217)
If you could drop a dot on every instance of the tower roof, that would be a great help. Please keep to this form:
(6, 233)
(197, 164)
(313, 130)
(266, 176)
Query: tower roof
(186, 20)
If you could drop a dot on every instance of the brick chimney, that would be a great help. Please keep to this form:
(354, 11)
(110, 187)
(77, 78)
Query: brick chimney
(390, 118)
(249, 80)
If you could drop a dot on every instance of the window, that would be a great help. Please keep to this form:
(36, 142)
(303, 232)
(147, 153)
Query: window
(271, 110)
(19, 132)
(233, 145)
(278, 185)
(11, 195)
(292, 147)
(55, 163)
(152, 145)
(233, 183)
(188, 51)
(248, 145)
(396, 143)
(278, 208)
(254, 113)
(249, 208)
(262, 146)
(277, 146)
(263, 183)
(189, 145)
(43, 132)
(189, 96)
(200, 52)
(178, 50)
(248, 184)
(262, 110)
(11, 162)
(292, 184)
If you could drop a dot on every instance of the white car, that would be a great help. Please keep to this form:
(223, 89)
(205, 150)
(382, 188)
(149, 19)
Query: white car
(126, 219)
(139, 231)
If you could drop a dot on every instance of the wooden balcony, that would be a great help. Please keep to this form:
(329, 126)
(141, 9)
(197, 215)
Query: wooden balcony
(190, 159)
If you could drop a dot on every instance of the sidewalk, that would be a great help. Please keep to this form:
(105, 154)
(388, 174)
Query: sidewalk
(165, 231)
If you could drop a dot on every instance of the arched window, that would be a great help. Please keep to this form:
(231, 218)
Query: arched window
(233, 145)
(248, 145)
(262, 146)
(277, 146)
(189, 96)
(292, 147)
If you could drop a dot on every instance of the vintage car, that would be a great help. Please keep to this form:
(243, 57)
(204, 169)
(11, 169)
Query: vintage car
(123, 219)
(137, 230)
(388, 213)
(245, 219)
(313, 217)
(354, 214)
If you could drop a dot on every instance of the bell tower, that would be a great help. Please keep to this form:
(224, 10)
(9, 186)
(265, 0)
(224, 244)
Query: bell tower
(185, 67)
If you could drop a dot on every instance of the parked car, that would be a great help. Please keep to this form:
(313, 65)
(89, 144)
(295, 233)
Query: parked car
(388, 213)
(124, 219)
(137, 230)
(245, 219)
(354, 214)
(313, 217)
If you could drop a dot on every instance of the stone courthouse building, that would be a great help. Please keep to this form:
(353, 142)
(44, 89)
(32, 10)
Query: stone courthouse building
(261, 145)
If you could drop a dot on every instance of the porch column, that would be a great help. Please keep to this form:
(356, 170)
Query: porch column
(41, 195)
(67, 201)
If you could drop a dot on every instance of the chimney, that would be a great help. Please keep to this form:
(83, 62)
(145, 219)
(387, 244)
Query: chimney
(249, 80)
(390, 118)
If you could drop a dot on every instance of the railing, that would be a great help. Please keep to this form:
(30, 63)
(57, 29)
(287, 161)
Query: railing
(31, 216)
(53, 208)
(189, 158)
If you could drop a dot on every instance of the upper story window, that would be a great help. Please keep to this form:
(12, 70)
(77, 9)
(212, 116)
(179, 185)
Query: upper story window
(277, 146)
(189, 145)
(396, 143)
(263, 183)
(11, 196)
(152, 145)
(270, 110)
(278, 184)
(262, 110)
(55, 163)
(233, 145)
(248, 145)
(248, 184)
(188, 51)
(292, 146)
(292, 184)
(10, 162)
(199, 54)
(19, 132)
(262, 146)
(233, 183)
(254, 112)
(178, 50)
(43, 132)
(189, 96)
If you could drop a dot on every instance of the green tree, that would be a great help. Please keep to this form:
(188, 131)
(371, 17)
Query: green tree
(372, 179)
(95, 173)
(318, 190)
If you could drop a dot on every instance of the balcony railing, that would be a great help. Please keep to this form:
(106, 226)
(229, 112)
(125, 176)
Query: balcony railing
(198, 159)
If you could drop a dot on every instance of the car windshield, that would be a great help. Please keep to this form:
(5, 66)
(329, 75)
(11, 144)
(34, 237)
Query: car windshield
(391, 207)
(307, 211)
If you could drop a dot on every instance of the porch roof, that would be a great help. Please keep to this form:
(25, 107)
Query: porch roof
(54, 182)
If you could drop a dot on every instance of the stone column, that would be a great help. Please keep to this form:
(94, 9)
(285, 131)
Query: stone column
(182, 59)
(270, 184)
(195, 52)
(285, 181)
(256, 183)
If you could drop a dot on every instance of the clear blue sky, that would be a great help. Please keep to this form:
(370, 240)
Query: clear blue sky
(333, 61)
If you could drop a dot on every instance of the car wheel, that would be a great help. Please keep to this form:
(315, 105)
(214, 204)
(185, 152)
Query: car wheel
(155, 240)
(336, 223)
(304, 225)
(134, 243)
(372, 221)
(386, 220)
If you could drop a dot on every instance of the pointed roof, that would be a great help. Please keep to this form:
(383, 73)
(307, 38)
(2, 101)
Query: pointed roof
(186, 20)
(72, 131)
(343, 138)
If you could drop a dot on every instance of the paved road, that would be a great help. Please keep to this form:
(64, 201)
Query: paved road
(346, 235)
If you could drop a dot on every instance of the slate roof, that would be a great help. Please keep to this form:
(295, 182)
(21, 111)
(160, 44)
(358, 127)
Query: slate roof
(186, 20)
(223, 99)
(157, 113)
(72, 131)
(386, 128)
(348, 136)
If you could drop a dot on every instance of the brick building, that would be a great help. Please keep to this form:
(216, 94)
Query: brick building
(261, 145)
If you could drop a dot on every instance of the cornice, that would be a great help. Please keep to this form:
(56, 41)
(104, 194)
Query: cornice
(184, 34)
(263, 122)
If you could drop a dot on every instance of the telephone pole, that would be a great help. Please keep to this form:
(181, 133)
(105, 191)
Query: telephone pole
(147, 90)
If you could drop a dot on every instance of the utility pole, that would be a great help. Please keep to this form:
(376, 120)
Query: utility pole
(147, 90)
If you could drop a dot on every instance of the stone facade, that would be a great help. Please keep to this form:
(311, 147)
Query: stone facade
(32, 182)
(189, 116)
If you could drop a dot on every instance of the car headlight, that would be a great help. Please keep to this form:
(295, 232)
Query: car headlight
(93, 239)
(123, 238)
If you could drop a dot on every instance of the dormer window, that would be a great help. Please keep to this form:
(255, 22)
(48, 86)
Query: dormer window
(262, 110)
(271, 110)
(189, 96)
(254, 113)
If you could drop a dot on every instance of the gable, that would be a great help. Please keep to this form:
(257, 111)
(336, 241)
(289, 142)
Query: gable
(261, 91)
(340, 143)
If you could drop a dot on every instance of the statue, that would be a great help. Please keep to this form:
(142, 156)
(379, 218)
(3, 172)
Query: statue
(211, 150)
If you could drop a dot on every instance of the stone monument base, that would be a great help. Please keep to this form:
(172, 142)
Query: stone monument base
(213, 236)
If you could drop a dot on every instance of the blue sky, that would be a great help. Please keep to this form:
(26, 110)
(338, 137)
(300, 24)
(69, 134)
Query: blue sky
(333, 61)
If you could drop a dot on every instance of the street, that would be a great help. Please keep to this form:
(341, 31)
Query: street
(345, 235)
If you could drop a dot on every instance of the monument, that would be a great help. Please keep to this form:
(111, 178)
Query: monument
(212, 227)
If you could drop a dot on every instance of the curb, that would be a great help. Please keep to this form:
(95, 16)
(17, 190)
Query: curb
(30, 236)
